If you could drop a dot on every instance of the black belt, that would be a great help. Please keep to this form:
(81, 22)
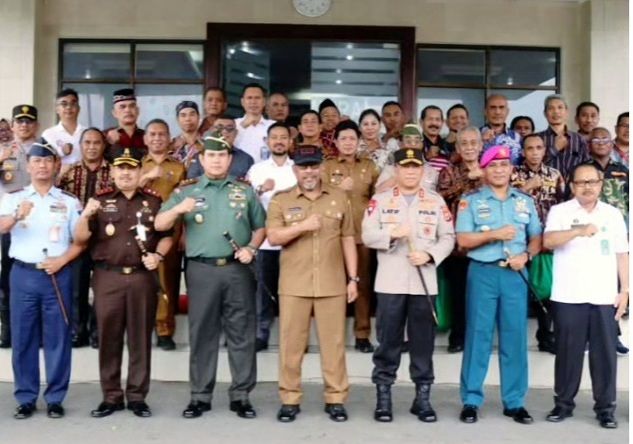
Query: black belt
(28, 265)
(117, 268)
(215, 261)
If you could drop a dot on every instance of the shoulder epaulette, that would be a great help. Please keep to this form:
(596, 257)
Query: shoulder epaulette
(68, 193)
(151, 192)
(15, 191)
(523, 192)
(243, 180)
(104, 191)
(188, 182)
(285, 190)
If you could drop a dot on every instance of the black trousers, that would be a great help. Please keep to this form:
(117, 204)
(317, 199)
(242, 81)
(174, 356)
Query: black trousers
(456, 269)
(267, 265)
(575, 325)
(84, 320)
(392, 313)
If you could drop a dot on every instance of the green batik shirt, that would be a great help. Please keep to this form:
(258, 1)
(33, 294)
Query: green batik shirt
(221, 205)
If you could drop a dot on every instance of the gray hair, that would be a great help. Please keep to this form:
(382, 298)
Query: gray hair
(469, 129)
(551, 98)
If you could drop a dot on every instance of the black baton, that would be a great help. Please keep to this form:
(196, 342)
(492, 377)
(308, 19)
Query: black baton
(58, 292)
(531, 289)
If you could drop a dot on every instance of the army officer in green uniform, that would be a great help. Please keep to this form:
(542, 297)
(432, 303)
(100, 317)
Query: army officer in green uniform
(220, 285)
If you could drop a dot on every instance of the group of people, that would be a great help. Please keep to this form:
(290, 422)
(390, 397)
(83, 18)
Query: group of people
(273, 212)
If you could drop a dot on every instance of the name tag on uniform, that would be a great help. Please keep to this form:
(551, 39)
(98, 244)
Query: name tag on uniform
(58, 207)
(200, 202)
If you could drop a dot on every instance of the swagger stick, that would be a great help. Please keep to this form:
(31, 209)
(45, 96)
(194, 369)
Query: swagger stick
(426, 290)
(58, 292)
(527, 282)
(154, 273)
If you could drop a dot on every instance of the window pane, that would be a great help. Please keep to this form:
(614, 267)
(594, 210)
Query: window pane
(526, 103)
(159, 101)
(169, 61)
(513, 67)
(451, 66)
(472, 99)
(95, 101)
(108, 61)
(354, 75)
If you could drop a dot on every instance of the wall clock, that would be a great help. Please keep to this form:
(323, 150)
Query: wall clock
(312, 8)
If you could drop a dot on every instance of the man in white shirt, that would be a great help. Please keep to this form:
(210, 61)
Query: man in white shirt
(589, 241)
(267, 177)
(66, 134)
(251, 129)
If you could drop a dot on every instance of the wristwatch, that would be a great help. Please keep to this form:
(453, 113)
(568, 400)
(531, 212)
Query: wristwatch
(353, 279)
(252, 249)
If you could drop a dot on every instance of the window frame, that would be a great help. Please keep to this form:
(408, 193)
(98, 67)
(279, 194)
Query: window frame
(132, 80)
(487, 49)
(219, 33)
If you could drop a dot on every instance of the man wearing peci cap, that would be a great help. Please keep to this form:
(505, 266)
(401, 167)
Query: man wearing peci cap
(126, 111)
(411, 228)
(41, 219)
(220, 284)
(14, 176)
(126, 250)
(500, 228)
(313, 223)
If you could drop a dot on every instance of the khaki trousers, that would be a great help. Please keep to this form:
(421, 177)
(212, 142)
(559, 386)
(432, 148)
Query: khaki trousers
(294, 331)
(362, 304)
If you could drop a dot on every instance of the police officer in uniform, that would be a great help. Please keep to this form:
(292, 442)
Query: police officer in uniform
(410, 227)
(220, 284)
(313, 222)
(126, 251)
(41, 219)
(500, 228)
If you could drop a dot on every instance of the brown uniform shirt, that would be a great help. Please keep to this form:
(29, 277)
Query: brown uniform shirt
(118, 247)
(312, 265)
(364, 173)
(173, 172)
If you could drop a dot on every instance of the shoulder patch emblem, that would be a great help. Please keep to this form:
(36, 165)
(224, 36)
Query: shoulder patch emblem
(371, 206)
(463, 204)
(105, 191)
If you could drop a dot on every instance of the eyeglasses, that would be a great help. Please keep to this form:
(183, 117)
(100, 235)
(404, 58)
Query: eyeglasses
(65, 104)
(601, 141)
(587, 183)
(221, 128)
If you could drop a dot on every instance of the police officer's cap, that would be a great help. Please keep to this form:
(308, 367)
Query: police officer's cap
(123, 94)
(405, 156)
(42, 148)
(307, 155)
(24, 112)
(411, 129)
(215, 142)
(125, 156)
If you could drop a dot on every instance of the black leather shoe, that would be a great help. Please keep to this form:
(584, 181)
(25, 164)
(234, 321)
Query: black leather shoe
(468, 414)
(383, 411)
(55, 411)
(260, 345)
(558, 414)
(337, 412)
(607, 420)
(139, 408)
(244, 409)
(519, 415)
(195, 409)
(5, 343)
(421, 406)
(24, 411)
(288, 412)
(455, 348)
(106, 409)
(547, 346)
(166, 343)
(79, 341)
(94, 342)
(364, 346)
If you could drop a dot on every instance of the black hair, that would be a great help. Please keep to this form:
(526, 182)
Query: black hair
(624, 115)
(215, 88)
(582, 105)
(457, 106)
(368, 112)
(346, 125)
(92, 128)
(157, 122)
(517, 118)
(530, 136)
(67, 92)
(431, 107)
(254, 85)
(309, 111)
(277, 125)
(390, 103)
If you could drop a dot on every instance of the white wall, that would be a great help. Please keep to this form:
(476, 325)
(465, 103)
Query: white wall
(557, 23)
(610, 58)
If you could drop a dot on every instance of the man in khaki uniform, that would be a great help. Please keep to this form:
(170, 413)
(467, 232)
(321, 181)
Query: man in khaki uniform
(162, 173)
(412, 229)
(313, 223)
(357, 178)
